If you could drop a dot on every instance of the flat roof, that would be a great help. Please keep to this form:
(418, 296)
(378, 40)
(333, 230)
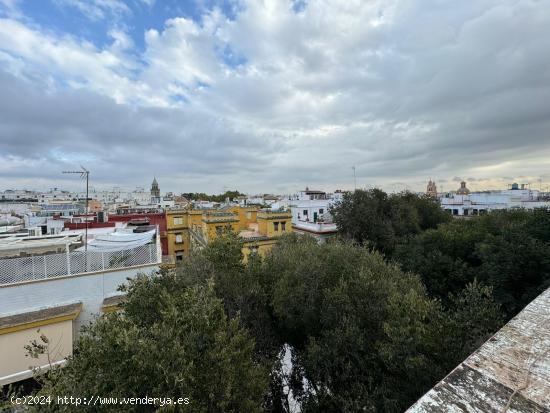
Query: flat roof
(39, 315)
(22, 243)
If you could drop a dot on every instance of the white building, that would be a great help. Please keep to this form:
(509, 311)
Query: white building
(53, 295)
(310, 213)
(18, 195)
(477, 203)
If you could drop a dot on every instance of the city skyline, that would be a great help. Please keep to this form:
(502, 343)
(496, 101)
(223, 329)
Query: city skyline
(274, 95)
(443, 186)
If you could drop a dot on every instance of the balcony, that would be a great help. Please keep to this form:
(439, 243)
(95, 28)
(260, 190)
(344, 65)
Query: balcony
(315, 227)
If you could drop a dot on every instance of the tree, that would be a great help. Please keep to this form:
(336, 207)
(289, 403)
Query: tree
(365, 336)
(195, 196)
(508, 250)
(382, 221)
(167, 343)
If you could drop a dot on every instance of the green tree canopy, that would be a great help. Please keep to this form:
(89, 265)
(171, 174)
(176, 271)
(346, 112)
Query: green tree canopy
(167, 343)
(382, 220)
(365, 336)
(196, 196)
(508, 250)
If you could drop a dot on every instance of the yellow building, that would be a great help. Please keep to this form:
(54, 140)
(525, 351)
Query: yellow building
(193, 229)
(177, 233)
(262, 235)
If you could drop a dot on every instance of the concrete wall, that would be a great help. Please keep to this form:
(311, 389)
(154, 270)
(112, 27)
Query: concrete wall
(90, 289)
(14, 364)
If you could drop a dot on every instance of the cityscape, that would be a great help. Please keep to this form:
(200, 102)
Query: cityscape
(275, 206)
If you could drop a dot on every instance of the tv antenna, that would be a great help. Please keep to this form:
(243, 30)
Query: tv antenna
(84, 174)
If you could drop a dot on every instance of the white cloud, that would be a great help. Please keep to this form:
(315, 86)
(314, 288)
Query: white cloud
(403, 90)
(97, 9)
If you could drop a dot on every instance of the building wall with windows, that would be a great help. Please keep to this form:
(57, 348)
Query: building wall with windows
(246, 214)
(258, 229)
(274, 224)
(177, 233)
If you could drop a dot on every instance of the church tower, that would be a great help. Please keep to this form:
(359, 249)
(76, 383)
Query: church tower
(155, 191)
(431, 189)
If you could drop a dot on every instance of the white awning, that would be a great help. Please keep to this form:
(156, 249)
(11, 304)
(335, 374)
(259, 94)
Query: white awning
(117, 241)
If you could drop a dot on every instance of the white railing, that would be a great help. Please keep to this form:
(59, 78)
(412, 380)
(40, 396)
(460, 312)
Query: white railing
(316, 226)
(14, 270)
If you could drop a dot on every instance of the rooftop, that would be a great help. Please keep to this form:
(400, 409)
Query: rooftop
(509, 373)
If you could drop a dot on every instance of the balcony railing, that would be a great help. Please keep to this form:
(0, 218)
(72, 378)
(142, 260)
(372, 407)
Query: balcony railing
(14, 270)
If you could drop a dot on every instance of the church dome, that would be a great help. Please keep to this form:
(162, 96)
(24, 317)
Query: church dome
(463, 190)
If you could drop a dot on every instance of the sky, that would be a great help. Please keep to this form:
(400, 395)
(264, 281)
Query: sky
(270, 96)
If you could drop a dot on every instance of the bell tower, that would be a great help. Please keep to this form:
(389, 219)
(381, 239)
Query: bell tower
(155, 191)
(431, 189)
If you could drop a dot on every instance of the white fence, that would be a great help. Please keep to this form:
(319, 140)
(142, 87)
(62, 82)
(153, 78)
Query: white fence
(13, 270)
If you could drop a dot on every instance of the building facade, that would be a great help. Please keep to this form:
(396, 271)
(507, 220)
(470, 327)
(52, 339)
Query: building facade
(478, 203)
(193, 229)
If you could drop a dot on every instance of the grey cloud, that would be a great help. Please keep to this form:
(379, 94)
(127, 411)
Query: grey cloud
(441, 89)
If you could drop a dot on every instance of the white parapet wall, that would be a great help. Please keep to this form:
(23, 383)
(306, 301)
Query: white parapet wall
(48, 305)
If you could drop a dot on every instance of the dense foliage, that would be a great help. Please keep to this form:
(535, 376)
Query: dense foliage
(365, 336)
(345, 326)
(508, 250)
(169, 342)
(359, 334)
(196, 196)
(382, 220)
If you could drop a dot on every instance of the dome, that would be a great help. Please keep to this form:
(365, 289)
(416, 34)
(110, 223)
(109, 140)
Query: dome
(463, 190)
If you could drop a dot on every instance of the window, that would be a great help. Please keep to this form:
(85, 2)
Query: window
(179, 256)
(283, 226)
(254, 250)
(321, 211)
(305, 212)
(179, 239)
(276, 225)
(219, 229)
(178, 220)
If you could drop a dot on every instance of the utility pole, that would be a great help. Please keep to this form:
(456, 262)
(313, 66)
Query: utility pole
(354, 178)
(84, 173)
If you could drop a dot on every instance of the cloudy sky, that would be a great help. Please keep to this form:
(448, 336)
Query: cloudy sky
(274, 95)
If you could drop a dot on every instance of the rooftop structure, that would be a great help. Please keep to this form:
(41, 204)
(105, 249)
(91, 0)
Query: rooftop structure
(16, 246)
(476, 203)
(310, 213)
(463, 190)
(54, 294)
(509, 373)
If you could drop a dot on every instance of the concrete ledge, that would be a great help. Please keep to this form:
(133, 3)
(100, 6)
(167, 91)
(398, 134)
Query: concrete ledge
(33, 319)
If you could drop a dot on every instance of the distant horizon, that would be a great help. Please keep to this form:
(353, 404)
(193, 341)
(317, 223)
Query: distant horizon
(455, 184)
(277, 94)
